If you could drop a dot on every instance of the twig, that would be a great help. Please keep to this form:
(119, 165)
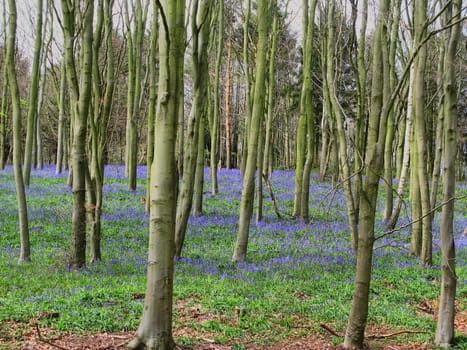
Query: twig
(387, 233)
(371, 336)
(273, 198)
(330, 330)
(42, 339)
(382, 336)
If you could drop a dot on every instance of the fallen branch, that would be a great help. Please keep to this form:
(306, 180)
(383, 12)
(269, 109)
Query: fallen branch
(382, 336)
(42, 339)
(371, 336)
(330, 330)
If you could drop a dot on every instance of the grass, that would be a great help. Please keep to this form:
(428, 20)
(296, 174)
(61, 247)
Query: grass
(296, 275)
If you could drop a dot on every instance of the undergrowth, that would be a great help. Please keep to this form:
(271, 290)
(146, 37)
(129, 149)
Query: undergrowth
(297, 275)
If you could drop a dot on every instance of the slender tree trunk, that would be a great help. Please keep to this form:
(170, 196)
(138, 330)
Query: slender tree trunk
(300, 147)
(374, 159)
(155, 329)
(199, 173)
(341, 138)
(80, 92)
(248, 92)
(446, 313)
(420, 134)
(135, 53)
(4, 111)
(215, 115)
(362, 109)
(248, 189)
(306, 106)
(263, 156)
(201, 18)
(25, 250)
(228, 131)
(33, 94)
(438, 148)
(408, 135)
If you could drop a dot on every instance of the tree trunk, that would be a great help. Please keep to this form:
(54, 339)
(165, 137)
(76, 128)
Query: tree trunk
(135, 54)
(152, 102)
(25, 251)
(228, 132)
(300, 147)
(341, 138)
(199, 173)
(362, 109)
(4, 110)
(215, 115)
(306, 107)
(445, 325)
(248, 93)
(201, 18)
(248, 189)
(420, 134)
(33, 93)
(374, 162)
(155, 329)
(80, 93)
(408, 136)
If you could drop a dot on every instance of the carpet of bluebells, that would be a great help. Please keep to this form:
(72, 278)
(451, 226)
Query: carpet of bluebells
(296, 274)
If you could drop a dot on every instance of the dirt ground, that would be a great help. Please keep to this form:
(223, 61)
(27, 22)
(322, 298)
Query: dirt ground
(21, 336)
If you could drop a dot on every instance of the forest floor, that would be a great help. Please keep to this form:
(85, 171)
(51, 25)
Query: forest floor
(298, 276)
(32, 337)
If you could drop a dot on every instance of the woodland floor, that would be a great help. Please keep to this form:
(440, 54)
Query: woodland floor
(30, 337)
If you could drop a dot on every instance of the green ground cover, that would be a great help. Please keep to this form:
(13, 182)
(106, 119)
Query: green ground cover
(296, 276)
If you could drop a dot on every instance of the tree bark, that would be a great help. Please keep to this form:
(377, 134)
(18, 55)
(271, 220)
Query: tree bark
(25, 250)
(152, 102)
(374, 159)
(248, 188)
(307, 108)
(80, 102)
(420, 134)
(201, 18)
(155, 329)
(33, 94)
(446, 313)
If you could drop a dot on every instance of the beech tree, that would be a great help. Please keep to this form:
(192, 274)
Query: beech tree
(248, 188)
(374, 157)
(103, 91)
(33, 93)
(25, 250)
(446, 313)
(135, 25)
(155, 329)
(80, 88)
(214, 121)
(200, 21)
